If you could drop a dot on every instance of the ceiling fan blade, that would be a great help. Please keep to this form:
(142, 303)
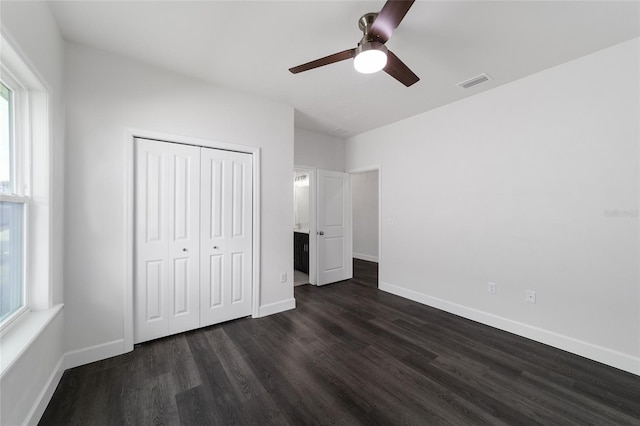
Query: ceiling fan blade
(388, 19)
(398, 70)
(336, 57)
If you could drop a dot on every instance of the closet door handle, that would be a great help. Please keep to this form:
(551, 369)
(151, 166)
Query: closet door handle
(321, 233)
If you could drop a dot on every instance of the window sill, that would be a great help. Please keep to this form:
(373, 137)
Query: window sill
(17, 339)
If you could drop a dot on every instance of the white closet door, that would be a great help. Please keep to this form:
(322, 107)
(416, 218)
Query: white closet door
(226, 234)
(167, 241)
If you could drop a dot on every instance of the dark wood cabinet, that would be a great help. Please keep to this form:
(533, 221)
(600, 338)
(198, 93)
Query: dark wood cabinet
(301, 252)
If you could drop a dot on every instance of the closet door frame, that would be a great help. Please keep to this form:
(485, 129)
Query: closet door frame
(131, 135)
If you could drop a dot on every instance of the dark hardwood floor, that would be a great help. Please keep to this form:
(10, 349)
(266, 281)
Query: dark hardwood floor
(349, 354)
(365, 272)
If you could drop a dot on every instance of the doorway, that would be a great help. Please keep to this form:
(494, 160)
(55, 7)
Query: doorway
(365, 202)
(303, 225)
(322, 213)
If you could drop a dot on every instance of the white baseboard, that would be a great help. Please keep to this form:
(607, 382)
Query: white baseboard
(37, 410)
(102, 351)
(70, 360)
(588, 350)
(274, 308)
(365, 257)
(93, 353)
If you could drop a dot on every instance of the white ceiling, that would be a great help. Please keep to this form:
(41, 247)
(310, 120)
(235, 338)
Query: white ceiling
(250, 46)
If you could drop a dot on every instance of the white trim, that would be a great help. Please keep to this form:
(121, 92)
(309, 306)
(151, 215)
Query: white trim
(41, 212)
(19, 337)
(129, 240)
(257, 190)
(129, 182)
(366, 257)
(277, 307)
(313, 274)
(43, 399)
(14, 319)
(94, 353)
(11, 198)
(70, 360)
(372, 168)
(579, 347)
(20, 63)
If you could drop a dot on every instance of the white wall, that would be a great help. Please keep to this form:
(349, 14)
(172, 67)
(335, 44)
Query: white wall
(33, 33)
(520, 185)
(106, 94)
(318, 150)
(364, 207)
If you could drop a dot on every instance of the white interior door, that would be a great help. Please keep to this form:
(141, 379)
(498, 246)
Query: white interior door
(333, 227)
(166, 296)
(226, 236)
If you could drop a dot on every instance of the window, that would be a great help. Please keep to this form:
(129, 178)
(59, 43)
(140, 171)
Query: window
(26, 210)
(13, 205)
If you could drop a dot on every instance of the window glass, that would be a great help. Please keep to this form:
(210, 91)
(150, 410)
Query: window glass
(11, 258)
(6, 143)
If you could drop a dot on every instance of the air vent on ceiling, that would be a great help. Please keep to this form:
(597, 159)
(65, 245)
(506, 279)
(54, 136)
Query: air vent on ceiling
(473, 81)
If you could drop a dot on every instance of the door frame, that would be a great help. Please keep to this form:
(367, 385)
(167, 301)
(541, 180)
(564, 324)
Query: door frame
(312, 220)
(372, 168)
(129, 241)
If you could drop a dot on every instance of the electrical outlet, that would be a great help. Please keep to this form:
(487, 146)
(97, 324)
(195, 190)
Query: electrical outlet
(491, 288)
(531, 296)
(283, 277)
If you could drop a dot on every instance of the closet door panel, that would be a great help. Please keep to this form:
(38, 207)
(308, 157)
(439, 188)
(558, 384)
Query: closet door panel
(212, 241)
(151, 316)
(226, 217)
(184, 230)
(240, 234)
(167, 214)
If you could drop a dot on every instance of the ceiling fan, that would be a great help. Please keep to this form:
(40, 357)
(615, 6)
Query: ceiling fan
(372, 55)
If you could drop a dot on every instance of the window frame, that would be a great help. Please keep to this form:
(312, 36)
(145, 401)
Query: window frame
(9, 320)
(21, 177)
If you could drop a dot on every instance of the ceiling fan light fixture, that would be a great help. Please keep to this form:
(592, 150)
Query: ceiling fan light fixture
(370, 57)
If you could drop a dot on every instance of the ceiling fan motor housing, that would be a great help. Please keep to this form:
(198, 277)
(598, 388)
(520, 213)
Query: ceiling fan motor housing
(364, 23)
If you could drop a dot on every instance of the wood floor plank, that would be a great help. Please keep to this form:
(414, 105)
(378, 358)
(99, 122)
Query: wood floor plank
(158, 400)
(184, 368)
(216, 385)
(289, 379)
(240, 375)
(335, 393)
(349, 354)
(427, 395)
(194, 408)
